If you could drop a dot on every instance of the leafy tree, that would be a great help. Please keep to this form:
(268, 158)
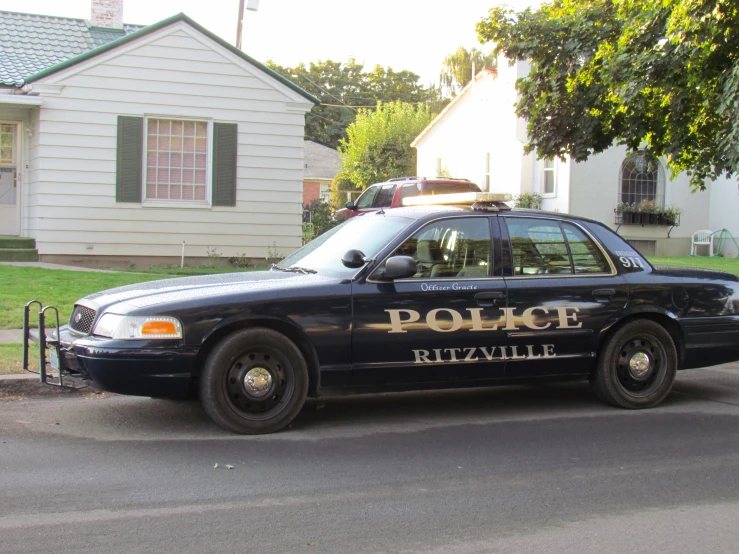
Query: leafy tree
(635, 72)
(378, 143)
(341, 86)
(456, 70)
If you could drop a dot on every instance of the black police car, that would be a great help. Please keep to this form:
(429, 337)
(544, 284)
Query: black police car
(405, 299)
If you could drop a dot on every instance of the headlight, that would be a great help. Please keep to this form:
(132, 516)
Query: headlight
(114, 326)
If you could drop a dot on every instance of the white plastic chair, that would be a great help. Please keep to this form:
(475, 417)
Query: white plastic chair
(701, 237)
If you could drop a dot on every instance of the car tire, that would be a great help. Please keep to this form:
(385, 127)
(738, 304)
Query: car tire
(254, 381)
(636, 367)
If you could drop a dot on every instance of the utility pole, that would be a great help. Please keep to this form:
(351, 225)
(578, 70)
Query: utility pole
(252, 6)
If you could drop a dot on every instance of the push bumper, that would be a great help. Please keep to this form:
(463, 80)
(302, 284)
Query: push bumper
(140, 368)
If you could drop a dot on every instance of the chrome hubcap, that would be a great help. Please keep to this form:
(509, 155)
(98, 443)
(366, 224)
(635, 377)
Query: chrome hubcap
(258, 382)
(640, 366)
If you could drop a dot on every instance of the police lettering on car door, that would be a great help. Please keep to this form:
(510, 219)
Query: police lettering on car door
(447, 320)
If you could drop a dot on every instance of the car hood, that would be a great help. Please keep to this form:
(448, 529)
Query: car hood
(694, 273)
(190, 289)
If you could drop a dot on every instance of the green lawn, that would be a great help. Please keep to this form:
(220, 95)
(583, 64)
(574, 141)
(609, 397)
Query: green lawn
(62, 288)
(724, 264)
(11, 356)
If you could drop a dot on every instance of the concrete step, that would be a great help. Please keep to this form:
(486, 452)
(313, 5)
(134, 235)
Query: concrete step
(17, 242)
(18, 255)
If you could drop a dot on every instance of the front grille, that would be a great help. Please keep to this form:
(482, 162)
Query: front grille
(82, 318)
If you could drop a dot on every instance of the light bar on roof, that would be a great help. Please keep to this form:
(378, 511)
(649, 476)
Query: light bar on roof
(457, 198)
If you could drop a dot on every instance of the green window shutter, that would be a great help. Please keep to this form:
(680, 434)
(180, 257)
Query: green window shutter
(129, 159)
(225, 145)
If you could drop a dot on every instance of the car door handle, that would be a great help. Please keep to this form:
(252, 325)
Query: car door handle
(487, 299)
(604, 295)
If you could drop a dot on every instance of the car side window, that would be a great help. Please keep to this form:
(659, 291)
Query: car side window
(586, 256)
(459, 247)
(367, 198)
(384, 198)
(539, 247)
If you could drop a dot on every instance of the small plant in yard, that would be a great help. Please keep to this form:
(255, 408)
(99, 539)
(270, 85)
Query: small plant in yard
(529, 200)
(273, 255)
(308, 233)
(214, 256)
(240, 260)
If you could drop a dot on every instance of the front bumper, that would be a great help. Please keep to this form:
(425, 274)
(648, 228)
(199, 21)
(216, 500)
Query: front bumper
(141, 368)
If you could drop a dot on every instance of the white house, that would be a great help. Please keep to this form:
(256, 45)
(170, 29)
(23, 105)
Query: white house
(479, 136)
(120, 142)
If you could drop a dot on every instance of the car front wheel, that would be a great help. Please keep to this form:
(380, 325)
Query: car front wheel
(254, 381)
(636, 367)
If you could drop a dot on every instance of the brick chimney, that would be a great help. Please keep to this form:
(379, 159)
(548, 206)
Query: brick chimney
(107, 13)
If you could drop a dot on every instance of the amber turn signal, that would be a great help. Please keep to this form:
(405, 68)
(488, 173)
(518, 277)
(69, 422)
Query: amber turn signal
(159, 328)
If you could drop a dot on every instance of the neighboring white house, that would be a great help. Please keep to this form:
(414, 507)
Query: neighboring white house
(125, 141)
(479, 136)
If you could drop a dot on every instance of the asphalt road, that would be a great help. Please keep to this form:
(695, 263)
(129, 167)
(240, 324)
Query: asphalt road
(515, 469)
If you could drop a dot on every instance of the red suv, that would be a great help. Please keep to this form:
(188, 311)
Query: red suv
(390, 194)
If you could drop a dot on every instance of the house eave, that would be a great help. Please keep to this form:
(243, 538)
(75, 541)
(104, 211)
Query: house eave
(21, 100)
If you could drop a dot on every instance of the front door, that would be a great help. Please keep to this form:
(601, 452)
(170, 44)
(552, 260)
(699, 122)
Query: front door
(562, 291)
(8, 179)
(444, 324)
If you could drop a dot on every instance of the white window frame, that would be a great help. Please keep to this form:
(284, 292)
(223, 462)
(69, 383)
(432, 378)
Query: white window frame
(190, 204)
(554, 170)
(324, 189)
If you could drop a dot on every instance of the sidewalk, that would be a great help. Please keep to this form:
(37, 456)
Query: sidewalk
(11, 336)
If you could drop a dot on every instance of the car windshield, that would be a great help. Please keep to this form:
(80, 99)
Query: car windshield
(368, 234)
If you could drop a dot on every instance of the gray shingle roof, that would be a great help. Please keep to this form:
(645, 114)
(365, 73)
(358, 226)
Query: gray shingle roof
(321, 162)
(30, 43)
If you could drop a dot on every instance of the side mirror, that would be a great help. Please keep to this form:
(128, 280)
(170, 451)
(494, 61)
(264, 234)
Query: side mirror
(353, 259)
(399, 267)
(350, 206)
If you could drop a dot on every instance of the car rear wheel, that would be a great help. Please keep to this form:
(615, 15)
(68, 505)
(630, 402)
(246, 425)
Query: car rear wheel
(254, 381)
(636, 367)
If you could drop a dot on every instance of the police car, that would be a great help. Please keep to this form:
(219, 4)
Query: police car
(464, 293)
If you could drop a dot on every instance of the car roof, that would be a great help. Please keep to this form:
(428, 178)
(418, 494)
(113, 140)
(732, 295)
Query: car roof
(424, 181)
(421, 212)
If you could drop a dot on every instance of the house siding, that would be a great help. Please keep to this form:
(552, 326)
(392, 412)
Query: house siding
(724, 211)
(72, 208)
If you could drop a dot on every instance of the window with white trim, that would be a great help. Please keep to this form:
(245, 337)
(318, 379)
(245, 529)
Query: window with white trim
(642, 180)
(177, 161)
(548, 178)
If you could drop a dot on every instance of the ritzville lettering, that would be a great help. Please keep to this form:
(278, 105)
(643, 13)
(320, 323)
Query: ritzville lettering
(508, 320)
(484, 353)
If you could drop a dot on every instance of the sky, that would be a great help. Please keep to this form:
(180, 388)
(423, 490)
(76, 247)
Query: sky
(414, 35)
